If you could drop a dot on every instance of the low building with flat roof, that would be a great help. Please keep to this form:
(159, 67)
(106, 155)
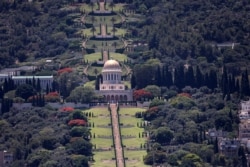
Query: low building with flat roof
(44, 80)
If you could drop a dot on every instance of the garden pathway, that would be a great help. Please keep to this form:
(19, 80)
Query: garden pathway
(103, 30)
(117, 137)
(105, 56)
(102, 7)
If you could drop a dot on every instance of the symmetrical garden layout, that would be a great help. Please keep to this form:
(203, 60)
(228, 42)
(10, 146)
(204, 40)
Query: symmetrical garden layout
(103, 36)
(117, 139)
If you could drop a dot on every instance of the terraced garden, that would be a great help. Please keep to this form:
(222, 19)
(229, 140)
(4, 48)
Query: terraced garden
(134, 143)
(102, 139)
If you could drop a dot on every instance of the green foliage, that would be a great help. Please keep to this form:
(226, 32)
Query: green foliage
(79, 132)
(191, 160)
(182, 102)
(163, 135)
(25, 91)
(80, 161)
(156, 102)
(82, 94)
(154, 90)
(81, 146)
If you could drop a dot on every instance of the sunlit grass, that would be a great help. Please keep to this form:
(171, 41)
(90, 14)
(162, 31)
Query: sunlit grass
(101, 117)
(104, 159)
(135, 158)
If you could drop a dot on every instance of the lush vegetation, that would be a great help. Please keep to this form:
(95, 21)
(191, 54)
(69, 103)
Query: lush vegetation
(46, 137)
(191, 56)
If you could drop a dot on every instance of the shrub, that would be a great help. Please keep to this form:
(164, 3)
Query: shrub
(67, 109)
(156, 102)
(68, 70)
(141, 93)
(77, 122)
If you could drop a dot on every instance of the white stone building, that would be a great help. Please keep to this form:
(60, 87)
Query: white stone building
(44, 80)
(112, 88)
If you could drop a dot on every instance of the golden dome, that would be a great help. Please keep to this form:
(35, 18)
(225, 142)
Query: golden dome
(111, 65)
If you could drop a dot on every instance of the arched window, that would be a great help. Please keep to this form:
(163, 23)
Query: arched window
(121, 98)
(104, 98)
(125, 98)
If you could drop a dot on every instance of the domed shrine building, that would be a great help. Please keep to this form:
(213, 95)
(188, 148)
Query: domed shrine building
(111, 88)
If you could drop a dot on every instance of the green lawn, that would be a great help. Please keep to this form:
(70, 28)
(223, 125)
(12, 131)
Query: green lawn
(87, 8)
(93, 57)
(135, 158)
(94, 44)
(92, 70)
(102, 159)
(90, 84)
(116, 8)
(97, 20)
(96, 56)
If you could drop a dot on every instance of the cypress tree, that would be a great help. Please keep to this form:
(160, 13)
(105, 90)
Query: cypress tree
(133, 81)
(38, 85)
(216, 149)
(212, 79)
(224, 82)
(158, 76)
(97, 83)
(1, 93)
(237, 85)
(47, 88)
(199, 77)
(245, 84)
(189, 77)
(179, 77)
(33, 83)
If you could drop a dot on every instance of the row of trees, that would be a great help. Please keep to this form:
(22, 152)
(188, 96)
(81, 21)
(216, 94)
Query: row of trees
(182, 76)
(179, 77)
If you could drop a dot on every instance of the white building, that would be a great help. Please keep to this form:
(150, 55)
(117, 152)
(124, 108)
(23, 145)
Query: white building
(6, 158)
(112, 89)
(244, 112)
(44, 80)
(3, 77)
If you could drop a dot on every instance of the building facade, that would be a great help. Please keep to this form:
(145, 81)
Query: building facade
(112, 88)
(5, 158)
(44, 80)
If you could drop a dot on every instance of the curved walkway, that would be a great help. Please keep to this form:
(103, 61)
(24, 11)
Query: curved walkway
(117, 137)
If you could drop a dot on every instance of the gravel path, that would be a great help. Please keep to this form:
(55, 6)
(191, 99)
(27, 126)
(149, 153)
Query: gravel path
(102, 8)
(117, 137)
(105, 56)
(103, 30)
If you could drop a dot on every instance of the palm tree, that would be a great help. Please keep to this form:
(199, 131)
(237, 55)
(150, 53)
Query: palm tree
(91, 4)
(93, 29)
(115, 44)
(113, 20)
(93, 19)
(114, 30)
(112, 5)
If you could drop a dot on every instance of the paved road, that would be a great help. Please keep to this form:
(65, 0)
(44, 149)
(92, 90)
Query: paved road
(117, 137)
